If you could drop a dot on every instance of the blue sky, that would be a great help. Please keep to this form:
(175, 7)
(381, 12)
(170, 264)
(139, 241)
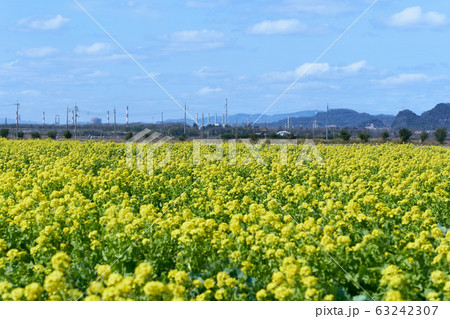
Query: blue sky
(53, 56)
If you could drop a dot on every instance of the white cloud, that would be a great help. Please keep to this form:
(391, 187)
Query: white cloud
(414, 17)
(9, 65)
(353, 68)
(144, 77)
(317, 70)
(192, 40)
(38, 52)
(278, 27)
(207, 90)
(54, 23)
(407, 79)
(97, 74)
(204, 4)
(319, 7)
(207, 71)
(31, 92)
(94, 49)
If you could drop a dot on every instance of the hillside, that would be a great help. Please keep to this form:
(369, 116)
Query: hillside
(340, 118)
(433, 119)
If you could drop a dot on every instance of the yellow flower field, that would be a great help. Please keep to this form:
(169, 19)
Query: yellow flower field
(372, 223)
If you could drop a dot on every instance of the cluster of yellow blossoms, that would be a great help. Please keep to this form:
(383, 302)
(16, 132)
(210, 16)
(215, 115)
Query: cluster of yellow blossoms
(77, 223)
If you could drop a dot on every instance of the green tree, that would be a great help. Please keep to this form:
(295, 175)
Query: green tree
(441, 135)
(364, 136)
(345, 135)
(67, 134)
(52, 134)
(20, 134)
(227, 136)
(35, 135)
(129, 136)
(424, 136)
(385, 135)
(4, 132)
(405, 134)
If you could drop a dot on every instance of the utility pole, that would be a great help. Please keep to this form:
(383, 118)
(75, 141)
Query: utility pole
(17, 119)
(197, 120)
(76, 121)
(185, 111)
(107, 117)
(226, 113)
(115, 122)
(67, 119)
(215, 120)
(43, 118)
(128, 116)
(326, 134)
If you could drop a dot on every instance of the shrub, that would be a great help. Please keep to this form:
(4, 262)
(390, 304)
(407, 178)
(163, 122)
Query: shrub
(20, 134)
(441, 135)
(405, 134)
(424, 136)
(129, 136)
(364, 136)
(227, 136)
(67, 134)
(4, 132)
(52, 134)
(345, 135)
(35, 135)
(385, 135)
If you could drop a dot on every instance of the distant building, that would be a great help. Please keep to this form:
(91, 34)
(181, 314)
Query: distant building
(95, 121)
(370, 127)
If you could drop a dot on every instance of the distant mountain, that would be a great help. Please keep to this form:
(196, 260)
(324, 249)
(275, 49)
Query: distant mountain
(436, 118)
(242, 118)
(340, 118)
(430, 120)
(386, 119)
(407, 119)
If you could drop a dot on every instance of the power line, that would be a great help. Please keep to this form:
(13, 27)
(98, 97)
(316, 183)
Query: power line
(131, 57)
(309, 68)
